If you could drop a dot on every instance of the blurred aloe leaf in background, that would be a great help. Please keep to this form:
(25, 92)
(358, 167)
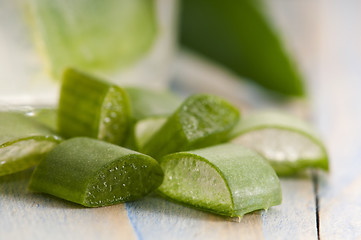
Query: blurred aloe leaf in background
(90, 34)
(238, 35)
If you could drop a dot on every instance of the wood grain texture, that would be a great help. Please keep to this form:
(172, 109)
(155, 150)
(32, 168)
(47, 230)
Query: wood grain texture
(337, 105)
(296, 216)
(25, 215)
(156, 218)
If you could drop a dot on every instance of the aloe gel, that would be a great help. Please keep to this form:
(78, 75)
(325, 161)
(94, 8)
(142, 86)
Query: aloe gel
(92, 107)
(94, 173)
(224, 179)
(202, 120)
(24, 142)
(288, 143)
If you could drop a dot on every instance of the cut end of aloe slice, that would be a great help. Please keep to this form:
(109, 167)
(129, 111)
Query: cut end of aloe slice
(289, 144)
(145, 128)
(202, 120)
(224, 179)
(122, 181)
(286, 150)
(204, 115)
(23, 142)
(94, 173)
(24, 153)
(190, 179)
(92, 107)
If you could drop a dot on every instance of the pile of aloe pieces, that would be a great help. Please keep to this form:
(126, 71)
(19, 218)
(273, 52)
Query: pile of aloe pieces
(105, 144)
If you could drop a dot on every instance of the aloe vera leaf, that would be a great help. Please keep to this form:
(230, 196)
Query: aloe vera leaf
(94, 173)
(202, 120)
(225, 179)
(290, 144)
(23, 142)
(92, 35)
(92, 107)
(145, 128)
(238, 35)
(149, 103)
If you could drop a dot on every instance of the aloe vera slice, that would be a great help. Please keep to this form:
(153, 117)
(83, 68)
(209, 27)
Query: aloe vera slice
(238, 35)
(149, 103)
(94, 173)
(289, 143)
(145, 128)
(201, 120)
(92, 35)
(92, 107)
(23, 142)
(225, 179)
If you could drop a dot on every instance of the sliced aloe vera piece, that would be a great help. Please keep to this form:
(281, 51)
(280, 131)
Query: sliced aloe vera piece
(92, 35)
(149, 103)
(289, 143)
(225, 179)
(201, 120)
(94, 108)
(94, 173)
(238, 35)
(145, 128)
(23, 142)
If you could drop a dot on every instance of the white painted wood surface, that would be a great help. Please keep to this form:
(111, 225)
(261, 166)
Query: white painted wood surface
(331, 59)
(26, 215)
(338, 107)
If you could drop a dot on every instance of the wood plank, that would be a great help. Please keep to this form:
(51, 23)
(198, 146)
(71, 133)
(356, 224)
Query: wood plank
(338, 109)
(296, 216)
(156, 218)
(25, 215)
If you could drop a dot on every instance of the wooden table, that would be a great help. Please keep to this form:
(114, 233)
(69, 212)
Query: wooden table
(325, 36)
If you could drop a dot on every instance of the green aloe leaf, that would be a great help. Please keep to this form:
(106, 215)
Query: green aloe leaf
(238, 35)
(289, 143)
(201, 120)
(92, 35)
(91, 107)
(145, 128)
(94, 173)
(23, 142)
(225, 179)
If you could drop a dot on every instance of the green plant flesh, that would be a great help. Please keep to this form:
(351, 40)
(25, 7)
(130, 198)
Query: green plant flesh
(287, 142)
(144, 129)
(238, 35)
(145, 104)
(92, 35)
(225, 179)
(23, 142)
(91, 107)
(202, 120)
(94, 173)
